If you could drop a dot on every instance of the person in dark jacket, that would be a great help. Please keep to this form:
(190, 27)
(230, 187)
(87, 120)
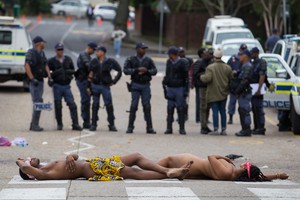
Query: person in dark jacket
(83, 63)
(99, 83)
(141, 68)
(36, 69)
(62, 68)
(176, 82)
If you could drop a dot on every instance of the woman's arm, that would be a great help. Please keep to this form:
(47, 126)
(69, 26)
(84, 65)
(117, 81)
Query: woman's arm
(219, 170)
(281, 176)
(27, 169)
(70, 162)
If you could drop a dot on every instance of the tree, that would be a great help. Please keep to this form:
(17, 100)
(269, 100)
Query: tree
(122, 14)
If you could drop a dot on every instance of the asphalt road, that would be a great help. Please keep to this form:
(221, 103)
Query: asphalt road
(275, 152)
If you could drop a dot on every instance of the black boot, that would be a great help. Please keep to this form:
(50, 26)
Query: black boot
(170, 119)
(230, 119)
(148, 119)
(246, 131)
(34, 126)
(58, 114)
(95, 109)
(87, 120)
(74, 117)
(111, 118)
(132, 116)
(181, 117)
(186, 114)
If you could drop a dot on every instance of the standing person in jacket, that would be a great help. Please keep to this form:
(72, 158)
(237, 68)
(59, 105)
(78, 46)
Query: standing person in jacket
(81, 74)
(243, 93)
(217, 77)
(99, 82)
(199, 69)
(36, 69)
(141, 68)
(118, 35)
(235, 64)
(181, 53)
(176, 82)
(271, 41)
(62, 74)
(259, 76)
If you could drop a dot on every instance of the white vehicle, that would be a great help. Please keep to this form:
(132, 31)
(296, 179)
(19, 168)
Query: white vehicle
(14, 43)
(287, 46)
(109, 11)
(284, 92)
(76, 8)
(224, 27)
(231, 46)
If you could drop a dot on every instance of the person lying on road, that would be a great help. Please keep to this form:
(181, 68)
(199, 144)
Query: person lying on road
(99, 169)
(218, 168)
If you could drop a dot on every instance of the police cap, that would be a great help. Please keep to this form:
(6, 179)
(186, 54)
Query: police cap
(59, 46)
(254, 50)
(243, 47)
(38, 39)
(141, 45)
(172, 50)
(101, 48)
(245, 52)
(92, 45)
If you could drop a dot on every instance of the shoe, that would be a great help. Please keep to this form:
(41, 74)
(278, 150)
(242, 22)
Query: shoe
(197, 121)
(223, 132)
(205, 130)
(259, 131)
(86, 126)
(215, 132)
(76, 127)
(93, 128)
(129, 130)
(230, 119)
(59, 127)
(168, 131)
(36, 128)
(182, 132)
(230, 122)
(244, 133)
(151, 131)
(112, 128)
(283, 128)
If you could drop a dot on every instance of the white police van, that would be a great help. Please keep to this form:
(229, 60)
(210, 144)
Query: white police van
(14, 43)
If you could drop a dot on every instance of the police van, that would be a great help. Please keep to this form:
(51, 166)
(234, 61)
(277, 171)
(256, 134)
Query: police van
(284, 91)
(222, 27)
(14, 42)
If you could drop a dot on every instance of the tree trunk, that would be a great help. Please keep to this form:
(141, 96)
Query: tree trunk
(122, 15)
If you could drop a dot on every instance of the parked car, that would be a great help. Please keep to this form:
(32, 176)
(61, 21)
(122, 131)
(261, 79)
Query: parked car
(109, 11)
(77, 8)
(231, 46)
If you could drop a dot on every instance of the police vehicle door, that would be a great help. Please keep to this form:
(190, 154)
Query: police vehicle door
(281, 79)
(7, 49)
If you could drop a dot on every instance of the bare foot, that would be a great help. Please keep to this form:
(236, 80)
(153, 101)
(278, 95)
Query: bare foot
(180, 173)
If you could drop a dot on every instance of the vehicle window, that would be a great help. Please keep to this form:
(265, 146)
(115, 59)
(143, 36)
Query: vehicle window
(74, 4)
(278, 49)
(297, 66)
(232, 35)
(205, 33)
(286, 56)
(66, 3)
(5, 37)
(273, 65)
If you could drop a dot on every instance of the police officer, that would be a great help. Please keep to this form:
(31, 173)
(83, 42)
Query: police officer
(141, 68)
(181, 53)
(176, 82)
(83, 62)
(235, 65)
(243, 93)
(62, 73)
(99, 83)
(199, 69)
(36, 70)
(259, 75)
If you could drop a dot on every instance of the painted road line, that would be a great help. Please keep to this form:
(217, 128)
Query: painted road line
(274, 182)
(276, 194)
(18, 180)
(161, 193)
(67, 32)
(153, 181)
(33, 193)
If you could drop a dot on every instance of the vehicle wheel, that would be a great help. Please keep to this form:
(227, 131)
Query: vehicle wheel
(295, 118)
(63, 13)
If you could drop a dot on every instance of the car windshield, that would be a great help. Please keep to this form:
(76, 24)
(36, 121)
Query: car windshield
(232, 35)
(273, 65)
(232, 48)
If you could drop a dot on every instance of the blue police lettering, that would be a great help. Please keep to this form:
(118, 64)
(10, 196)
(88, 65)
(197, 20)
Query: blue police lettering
(277, 104)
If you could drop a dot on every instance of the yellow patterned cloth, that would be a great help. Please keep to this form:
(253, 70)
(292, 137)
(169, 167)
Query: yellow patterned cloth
(107, 169)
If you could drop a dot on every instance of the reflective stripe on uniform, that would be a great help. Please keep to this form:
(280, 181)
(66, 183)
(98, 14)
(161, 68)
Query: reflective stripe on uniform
(7, 53)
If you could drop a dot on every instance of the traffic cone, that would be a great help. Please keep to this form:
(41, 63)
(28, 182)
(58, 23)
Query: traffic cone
(99, 21)
(128, 23)
(68, 20)
(23, 18)
(39, 18)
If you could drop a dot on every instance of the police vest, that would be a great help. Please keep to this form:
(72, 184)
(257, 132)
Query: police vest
(62, 73)
(135, 63)
(38, 64)
(102, 71)
(176, 73)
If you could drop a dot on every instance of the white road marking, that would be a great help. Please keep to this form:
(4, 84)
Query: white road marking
(18, 180)
(33, 193)
(274, 182)
(67, 32)
(276, 194)
(154, 181)
(161, 193)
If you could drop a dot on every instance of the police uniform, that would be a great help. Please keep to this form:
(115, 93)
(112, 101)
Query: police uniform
(62, 74)
(260, 68)
(235, 65)
(177, 82)
(100, 85)
(244, 93)
(140, 87)
(37, 62)
(83, 62)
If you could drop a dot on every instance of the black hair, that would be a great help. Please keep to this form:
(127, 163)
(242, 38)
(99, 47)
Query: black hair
(255, 175)
(24, 176)
(201, 50)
